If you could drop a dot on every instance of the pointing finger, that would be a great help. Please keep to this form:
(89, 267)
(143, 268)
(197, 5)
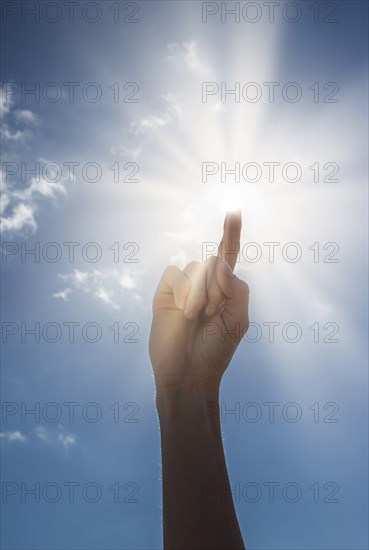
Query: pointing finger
(229, 246)
(228, 251)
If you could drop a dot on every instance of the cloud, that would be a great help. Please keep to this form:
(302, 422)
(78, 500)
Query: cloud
(42, 433)
(63, 294)
(41, 186)
(67, 440)
(174, 112)
(127, 281)
(83, 280)
(62, 438)
(21, 116)
(5, 103)
(151, 122)
(155, 121)
(80, 278)
(106, 296)
(126, 152)
(10, 135)
(55, 438)
(25, 115)
(13, 436)
(110, 287)
(4, 201)
(22, 217)
(19, 207)
(187, 54)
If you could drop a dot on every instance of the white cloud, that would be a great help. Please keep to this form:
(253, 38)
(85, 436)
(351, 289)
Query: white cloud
(63, 294)
(67, 440)
(19, 208)
(151, 122)
(4, 197)
(110, 287)
(5, 103)
(53, 438)
(127, 281)
(126, 152)
(4, 202)
(47, 436)
(155, 121)
(25, 115)
(21, 116)
(42, 433)
(175, 112)
(187, 54)
(79, 278)
(41, 186)
(21, 218)
(13, 436)
(10, 135)
(106, 296)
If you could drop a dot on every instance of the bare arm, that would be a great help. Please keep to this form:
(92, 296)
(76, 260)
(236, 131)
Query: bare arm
(190, 352)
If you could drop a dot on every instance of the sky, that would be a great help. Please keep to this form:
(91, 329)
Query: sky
(147, 121)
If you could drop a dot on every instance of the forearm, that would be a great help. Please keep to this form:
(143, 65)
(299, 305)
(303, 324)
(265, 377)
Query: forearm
(198, 507)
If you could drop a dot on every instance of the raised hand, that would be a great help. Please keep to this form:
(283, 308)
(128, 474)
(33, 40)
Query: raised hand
(200, 315)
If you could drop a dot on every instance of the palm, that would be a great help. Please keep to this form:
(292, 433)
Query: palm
(190, 348)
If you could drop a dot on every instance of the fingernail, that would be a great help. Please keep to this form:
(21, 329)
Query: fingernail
(210, 310)
(182, 303)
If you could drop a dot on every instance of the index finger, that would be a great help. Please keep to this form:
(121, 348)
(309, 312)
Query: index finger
(229, 246)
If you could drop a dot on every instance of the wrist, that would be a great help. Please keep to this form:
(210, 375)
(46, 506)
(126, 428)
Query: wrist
(191, 399)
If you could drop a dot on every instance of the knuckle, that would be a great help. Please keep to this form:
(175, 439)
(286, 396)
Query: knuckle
(170, 269)
(197, 306)
(183, 285)
(211, 261)
(193, 266)
(215, 296)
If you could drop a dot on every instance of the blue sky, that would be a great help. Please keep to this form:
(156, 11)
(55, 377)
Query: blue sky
(163, 140)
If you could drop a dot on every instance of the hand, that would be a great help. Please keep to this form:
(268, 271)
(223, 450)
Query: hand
(200, 315)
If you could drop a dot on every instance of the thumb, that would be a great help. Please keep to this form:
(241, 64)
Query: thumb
(236, 293)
